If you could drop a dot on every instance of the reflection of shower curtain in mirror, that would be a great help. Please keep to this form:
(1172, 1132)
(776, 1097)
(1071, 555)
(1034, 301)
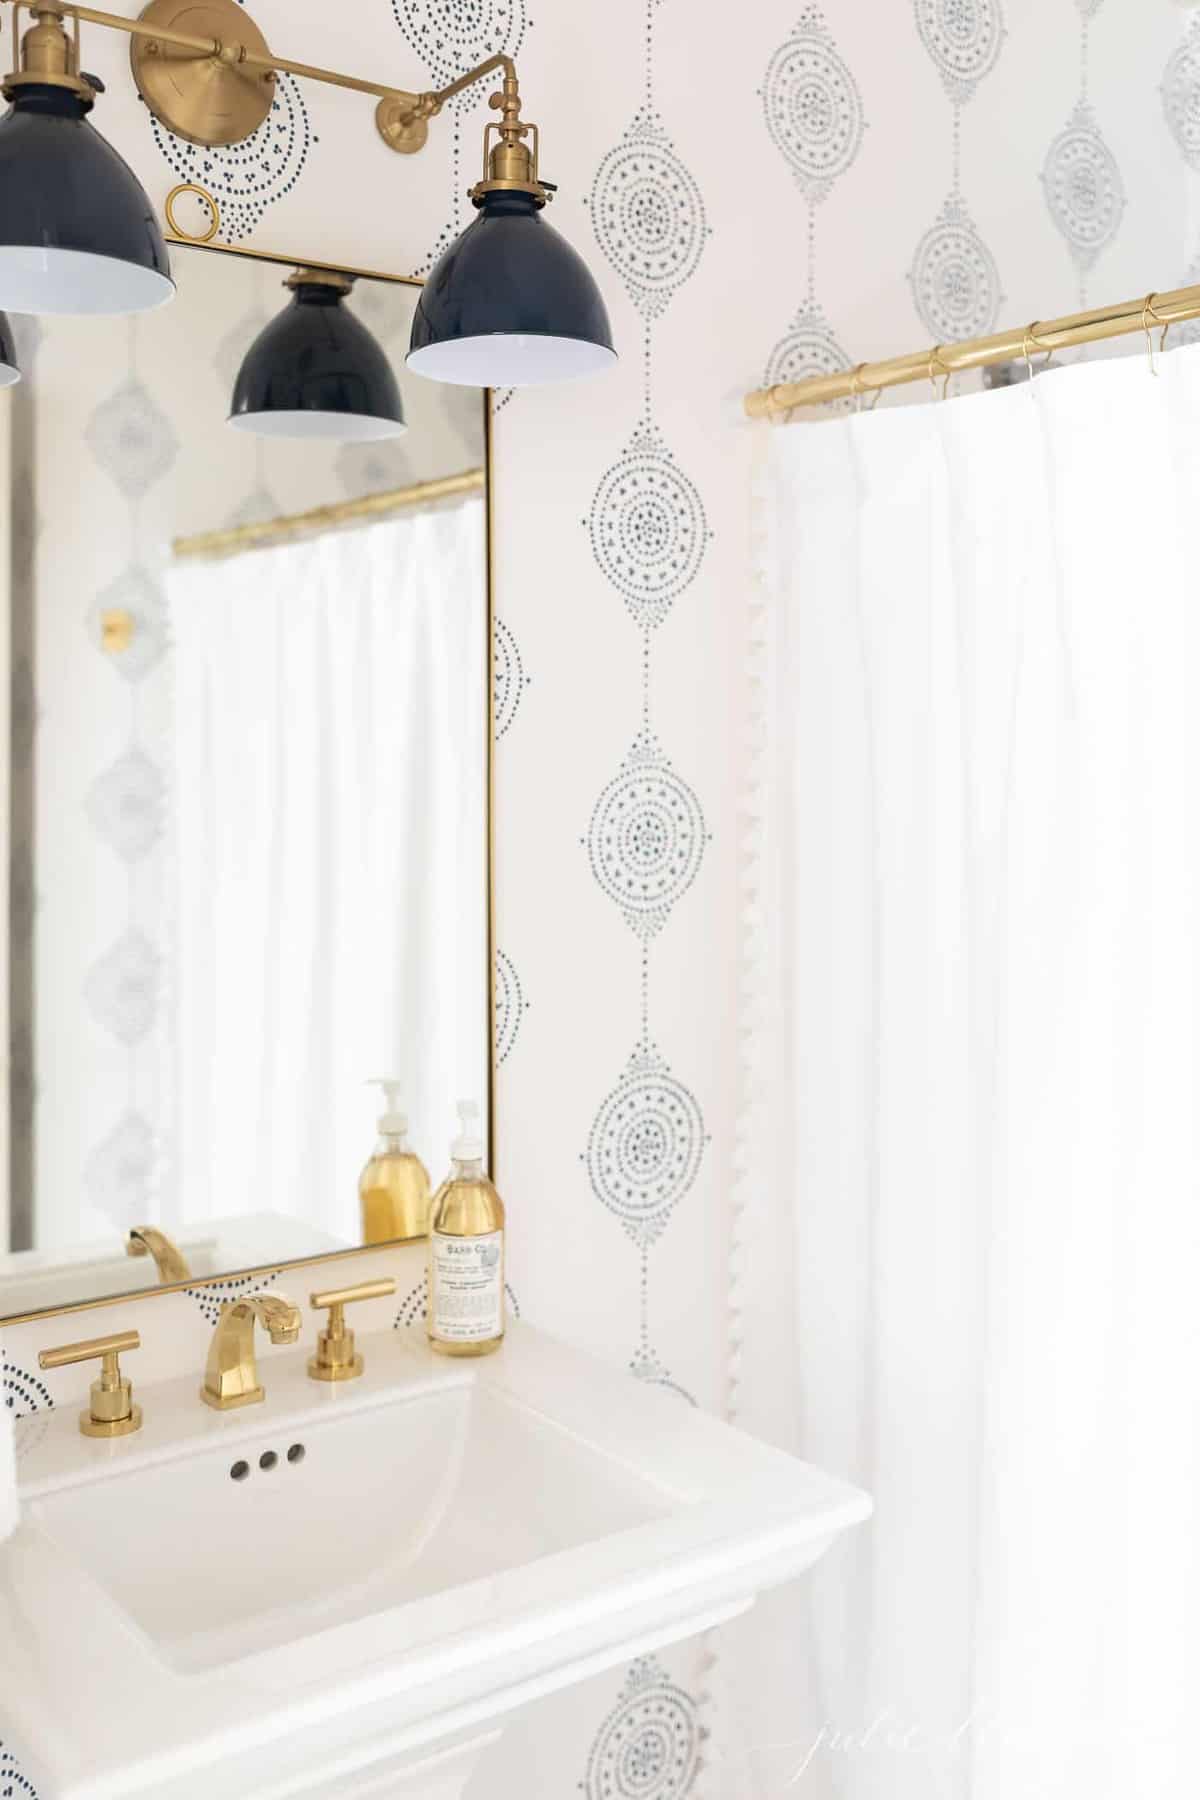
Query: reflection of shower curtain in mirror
(329, 887)
(971, 1212)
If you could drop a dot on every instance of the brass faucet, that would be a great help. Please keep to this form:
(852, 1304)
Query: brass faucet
(147, 1240)
(231, 1378)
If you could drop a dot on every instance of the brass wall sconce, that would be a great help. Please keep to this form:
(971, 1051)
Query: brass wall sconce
(508, 304)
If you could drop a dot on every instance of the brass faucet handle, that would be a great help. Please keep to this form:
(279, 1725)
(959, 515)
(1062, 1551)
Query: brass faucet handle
(112, 1412)
(336, 1358)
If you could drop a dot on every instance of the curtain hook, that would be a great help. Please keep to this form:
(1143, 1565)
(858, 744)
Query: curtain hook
(935, 357)
(1029, 336)
(856, 385)
(1150, 314)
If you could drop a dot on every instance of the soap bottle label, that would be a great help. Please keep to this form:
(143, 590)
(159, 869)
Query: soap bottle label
(467, 1303)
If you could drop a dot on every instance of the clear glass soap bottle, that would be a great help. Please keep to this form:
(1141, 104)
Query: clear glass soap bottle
(466, 1251)
(393, 1189)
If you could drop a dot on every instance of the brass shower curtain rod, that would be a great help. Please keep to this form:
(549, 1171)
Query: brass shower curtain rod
(1148, 312)
(325, 518)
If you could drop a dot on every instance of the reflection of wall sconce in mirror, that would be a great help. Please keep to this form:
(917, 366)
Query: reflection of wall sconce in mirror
(509, 304)
(315, 371)
(116, 631)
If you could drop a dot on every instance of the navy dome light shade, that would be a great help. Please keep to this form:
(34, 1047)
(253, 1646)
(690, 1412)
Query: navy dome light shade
(510, 304)
(315, 371)
(78, 234)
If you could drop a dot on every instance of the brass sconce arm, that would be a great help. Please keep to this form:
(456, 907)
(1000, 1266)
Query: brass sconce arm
(402, 117)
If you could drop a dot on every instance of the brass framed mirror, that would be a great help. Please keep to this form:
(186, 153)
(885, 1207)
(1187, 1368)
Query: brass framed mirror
(249, 754)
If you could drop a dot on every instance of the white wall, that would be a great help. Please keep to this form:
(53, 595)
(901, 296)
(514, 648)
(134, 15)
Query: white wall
(622, 538)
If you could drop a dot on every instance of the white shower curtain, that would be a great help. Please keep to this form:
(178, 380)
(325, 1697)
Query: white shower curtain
(969, 1214)
(329, 875)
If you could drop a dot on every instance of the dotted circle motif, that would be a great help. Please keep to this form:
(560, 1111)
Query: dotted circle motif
(649, 532)
(211, 1298)
(452, 35)
(956, 285)
(510, 1006)
(646, 1365)
(12, 1782)
(963, 37)
(1083, 189)
(1181, 97)
(813, 110)
(808, 348)
(22, 1392)
(646, 841)
(248, 177)
(648, 1748)
(649, 220)
(645, 1148)
(509, 679)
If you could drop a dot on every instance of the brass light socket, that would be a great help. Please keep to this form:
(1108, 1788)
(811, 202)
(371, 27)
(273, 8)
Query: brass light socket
(510, 164)
(328, 278)
(49, 58)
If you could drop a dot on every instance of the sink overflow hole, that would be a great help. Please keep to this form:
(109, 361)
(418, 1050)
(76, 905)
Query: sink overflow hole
(268, 1460)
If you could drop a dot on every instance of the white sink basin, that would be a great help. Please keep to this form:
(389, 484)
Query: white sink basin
(449, 1541)
(379, 1508)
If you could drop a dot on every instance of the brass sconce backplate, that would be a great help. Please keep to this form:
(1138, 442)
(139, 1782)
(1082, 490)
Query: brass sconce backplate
(204, 99)
(399, 128)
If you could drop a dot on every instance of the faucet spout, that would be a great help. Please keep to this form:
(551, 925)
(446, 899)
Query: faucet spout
(231, 1376)
(147, 1240)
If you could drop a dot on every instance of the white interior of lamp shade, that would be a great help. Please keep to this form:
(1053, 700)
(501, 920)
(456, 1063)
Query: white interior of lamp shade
(510, 359)
(34, 279)
(349, 428)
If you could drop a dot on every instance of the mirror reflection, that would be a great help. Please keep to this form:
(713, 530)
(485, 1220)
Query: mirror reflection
(247, 779)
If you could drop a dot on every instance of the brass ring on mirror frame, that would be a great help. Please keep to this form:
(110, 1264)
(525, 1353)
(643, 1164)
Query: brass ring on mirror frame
(192, 237)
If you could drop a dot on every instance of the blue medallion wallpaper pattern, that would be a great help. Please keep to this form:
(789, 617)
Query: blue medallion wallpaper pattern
(647, 838)
(764, 195)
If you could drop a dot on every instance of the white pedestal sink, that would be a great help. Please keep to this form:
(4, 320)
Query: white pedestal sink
(345, 1589)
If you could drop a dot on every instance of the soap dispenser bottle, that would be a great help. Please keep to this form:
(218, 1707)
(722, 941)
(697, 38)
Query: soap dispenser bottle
(394, 1187)
(466, 1251)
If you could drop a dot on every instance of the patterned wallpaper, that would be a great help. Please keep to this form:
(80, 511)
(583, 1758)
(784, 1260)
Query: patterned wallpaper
(763, 192)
